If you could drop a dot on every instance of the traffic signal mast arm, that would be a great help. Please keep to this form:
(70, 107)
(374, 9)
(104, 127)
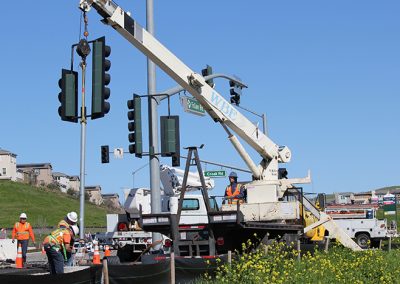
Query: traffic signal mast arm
(216, 106)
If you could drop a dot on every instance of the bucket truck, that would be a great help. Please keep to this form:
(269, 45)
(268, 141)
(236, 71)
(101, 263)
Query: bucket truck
(123, 230)
(273, 202)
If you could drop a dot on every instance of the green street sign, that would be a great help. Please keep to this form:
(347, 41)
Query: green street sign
(215, 174)
(193, 106)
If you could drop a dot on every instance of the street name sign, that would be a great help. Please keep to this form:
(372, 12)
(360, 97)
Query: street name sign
(193, 106)
(215, 173)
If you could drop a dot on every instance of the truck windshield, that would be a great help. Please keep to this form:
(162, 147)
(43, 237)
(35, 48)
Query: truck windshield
(213, 204)
(190, 204)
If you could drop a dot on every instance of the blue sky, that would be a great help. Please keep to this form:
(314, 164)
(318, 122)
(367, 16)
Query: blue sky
(325, 72)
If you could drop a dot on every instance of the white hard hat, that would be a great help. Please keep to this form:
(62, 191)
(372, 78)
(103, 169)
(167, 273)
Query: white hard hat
(74, 229)
(72, 216)
(23, 215)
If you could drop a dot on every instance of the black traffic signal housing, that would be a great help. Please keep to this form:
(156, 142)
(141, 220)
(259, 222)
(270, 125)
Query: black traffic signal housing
(282, 173)
(68, 96)
(176, 159)
(236, 92)
(100, 79)
(207, 72)
(170, 141)
(105, 154)
(135, 126)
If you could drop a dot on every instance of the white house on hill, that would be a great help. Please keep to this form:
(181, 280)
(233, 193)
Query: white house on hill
(8, 165)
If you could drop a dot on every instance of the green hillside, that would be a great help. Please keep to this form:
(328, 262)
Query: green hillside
(44, 206)
(384, 190)
(387, 189)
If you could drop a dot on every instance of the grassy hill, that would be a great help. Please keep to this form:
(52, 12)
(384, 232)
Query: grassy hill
(387, 189)
(331, 197)
(44, 207)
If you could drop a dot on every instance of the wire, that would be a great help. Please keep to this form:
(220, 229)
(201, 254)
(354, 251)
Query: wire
(80, 27)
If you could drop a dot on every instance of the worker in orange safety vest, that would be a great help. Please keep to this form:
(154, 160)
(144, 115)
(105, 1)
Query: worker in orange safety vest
(56, 245)
(69, 220)
(22, 231)
(235, 192)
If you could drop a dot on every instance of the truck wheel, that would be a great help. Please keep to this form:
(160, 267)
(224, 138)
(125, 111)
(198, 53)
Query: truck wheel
(363, 240)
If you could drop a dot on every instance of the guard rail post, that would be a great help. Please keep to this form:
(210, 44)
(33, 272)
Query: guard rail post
(105, 271)
(172, 268)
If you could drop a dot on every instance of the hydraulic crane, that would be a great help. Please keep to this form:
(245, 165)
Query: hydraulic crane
(267, 187)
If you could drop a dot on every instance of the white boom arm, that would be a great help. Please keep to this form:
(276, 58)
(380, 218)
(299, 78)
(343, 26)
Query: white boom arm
(216, 106)
(172, 179)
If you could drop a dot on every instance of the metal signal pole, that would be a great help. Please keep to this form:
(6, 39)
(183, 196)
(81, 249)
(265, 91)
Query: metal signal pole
(83, 155)
(153, 127)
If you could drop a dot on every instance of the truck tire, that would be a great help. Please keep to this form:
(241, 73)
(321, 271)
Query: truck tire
(363, 240)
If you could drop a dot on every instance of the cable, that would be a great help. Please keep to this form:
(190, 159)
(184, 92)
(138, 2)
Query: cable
(80, 27)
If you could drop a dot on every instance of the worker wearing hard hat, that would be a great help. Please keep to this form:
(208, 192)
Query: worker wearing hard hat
(57, 244)
(22, 231)
(234, 192)
(69, 220)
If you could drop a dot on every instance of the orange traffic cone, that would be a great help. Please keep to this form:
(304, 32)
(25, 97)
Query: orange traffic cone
(19, 261)
(107, 251)
(96, 255)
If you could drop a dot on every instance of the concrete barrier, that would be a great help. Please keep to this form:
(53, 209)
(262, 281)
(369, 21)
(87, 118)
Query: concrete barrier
(8, 250)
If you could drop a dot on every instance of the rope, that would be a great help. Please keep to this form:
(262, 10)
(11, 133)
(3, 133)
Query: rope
(86, 20)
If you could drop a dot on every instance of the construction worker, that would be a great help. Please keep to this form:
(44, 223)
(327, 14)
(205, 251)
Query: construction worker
(22, 231)
(68, 220)
(56, 245)
(71, 255)
(234, 192)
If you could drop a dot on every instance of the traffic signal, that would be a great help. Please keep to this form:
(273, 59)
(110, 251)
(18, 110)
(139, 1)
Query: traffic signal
(135, 126)
(236, 92)
(282, 173)
(105, 154)
(176, 159)
(100, 79)
(206, 72)
(170, 141)
(68, 96)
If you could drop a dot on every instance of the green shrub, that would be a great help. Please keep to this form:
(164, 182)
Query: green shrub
(279, 263)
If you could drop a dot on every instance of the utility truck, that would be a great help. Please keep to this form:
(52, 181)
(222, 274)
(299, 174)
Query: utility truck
(123, 230)
(361, 223)
(274, 204)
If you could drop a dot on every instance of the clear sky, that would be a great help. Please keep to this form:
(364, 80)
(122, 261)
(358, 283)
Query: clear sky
(326, 73)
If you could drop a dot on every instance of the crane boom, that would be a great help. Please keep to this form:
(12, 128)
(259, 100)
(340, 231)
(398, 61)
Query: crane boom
(215, 105)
